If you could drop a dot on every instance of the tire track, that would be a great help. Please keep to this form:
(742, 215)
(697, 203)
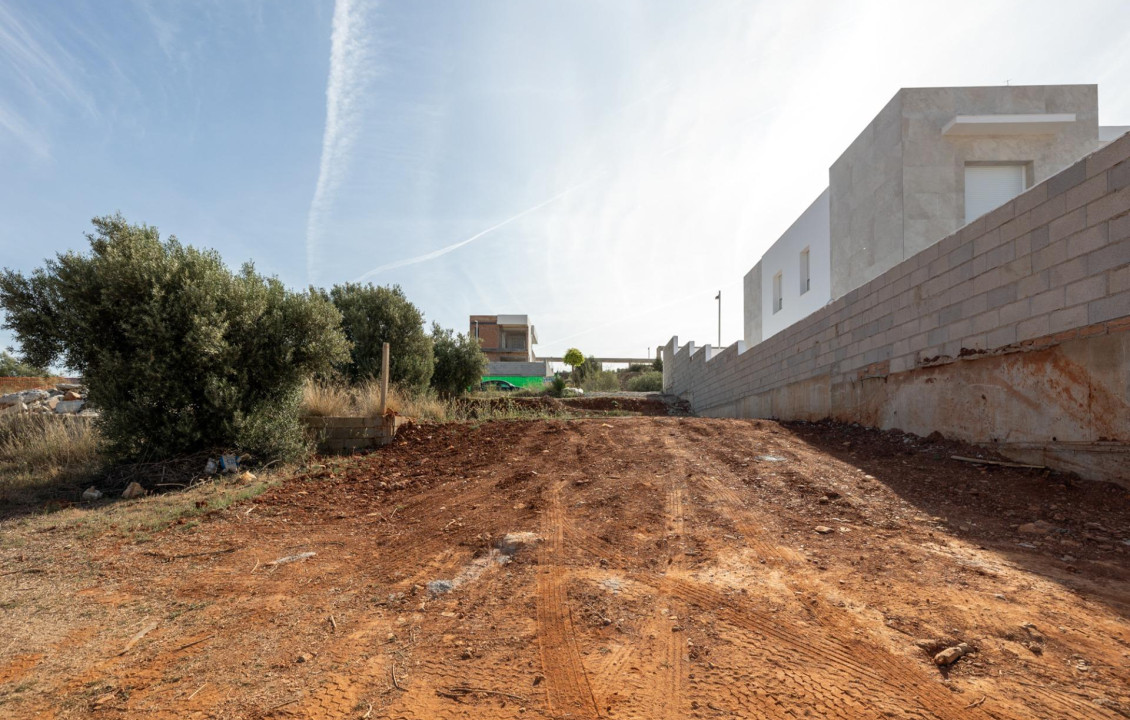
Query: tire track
(676, 665)
(567, 686)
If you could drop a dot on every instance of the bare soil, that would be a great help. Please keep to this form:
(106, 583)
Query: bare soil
(677, 573)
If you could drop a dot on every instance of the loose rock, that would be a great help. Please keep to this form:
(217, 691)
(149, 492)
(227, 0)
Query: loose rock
(133, 490)
(91, 493)
(822, 529)
(951, 654)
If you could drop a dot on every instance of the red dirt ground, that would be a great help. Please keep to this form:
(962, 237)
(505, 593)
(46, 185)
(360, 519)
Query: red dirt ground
(677, 574)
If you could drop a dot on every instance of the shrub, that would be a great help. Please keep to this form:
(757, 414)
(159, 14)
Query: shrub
(372, 316)
(657, 364)
(603, 381)
(178, 353)
(589, 368)
(11, 367)
(647, 382)
(459, 361)
(557, 386)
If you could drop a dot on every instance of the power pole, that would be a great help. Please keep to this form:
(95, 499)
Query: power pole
(718, 297)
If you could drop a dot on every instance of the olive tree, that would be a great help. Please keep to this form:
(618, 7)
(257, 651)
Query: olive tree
(372, 316)
(459, 361)
(178, 352)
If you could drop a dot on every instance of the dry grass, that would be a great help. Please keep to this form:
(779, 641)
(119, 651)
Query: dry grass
(45, 457)
(336, 400)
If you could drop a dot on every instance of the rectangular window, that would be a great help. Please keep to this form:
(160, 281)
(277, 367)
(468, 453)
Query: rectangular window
(805, 280)
(778, 301)
(987, 187)
(515, 341)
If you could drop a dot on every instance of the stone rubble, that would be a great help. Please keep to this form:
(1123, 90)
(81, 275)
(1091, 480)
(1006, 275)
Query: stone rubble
(63, 399)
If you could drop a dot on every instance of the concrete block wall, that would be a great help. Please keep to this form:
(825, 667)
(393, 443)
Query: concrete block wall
(1015, 329)
(348, 434)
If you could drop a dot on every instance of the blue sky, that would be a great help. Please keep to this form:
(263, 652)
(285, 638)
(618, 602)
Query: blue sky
(604, 167)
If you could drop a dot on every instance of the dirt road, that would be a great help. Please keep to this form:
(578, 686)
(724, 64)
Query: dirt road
(655, 568)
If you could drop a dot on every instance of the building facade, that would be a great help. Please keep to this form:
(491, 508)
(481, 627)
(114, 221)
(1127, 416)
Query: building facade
(933, 160)
(505, 338)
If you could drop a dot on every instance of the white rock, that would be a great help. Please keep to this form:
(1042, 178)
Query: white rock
(91, 493)
(69, 407)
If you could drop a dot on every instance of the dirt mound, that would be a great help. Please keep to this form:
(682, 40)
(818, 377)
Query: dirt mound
(645, 567)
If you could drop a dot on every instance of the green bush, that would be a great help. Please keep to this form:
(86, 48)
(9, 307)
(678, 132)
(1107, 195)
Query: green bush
(650, 381)
(557, 386)
(603, 381)
(11, 367)
(459, 361)
(372, 316)
(178, 353)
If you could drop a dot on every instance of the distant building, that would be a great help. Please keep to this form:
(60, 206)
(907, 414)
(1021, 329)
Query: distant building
(508, 342)
(933, 160)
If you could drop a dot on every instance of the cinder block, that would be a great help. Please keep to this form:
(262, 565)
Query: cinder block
(1032, 198)
(1001, 295)
(1119, 280)
(1017, 226)
(1014, 312)
(1118, 176)
(1109, 308)
(1048, 211)
(1067, 319)
(960, 254)
(1032, 328)
(1053, 254)
(1064, 180)
(1086, 290)
(1004, 213)
(1047, 302)
(1108, 206)
(1088, 240)
(1111, 255)
(1068, 272)
(1000, 337)
(986, 321)
(1068, 224)
(1033, 284)
(1108, 156)
(1089, 191)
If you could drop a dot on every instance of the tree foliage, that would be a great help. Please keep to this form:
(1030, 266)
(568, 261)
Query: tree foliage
(178, 352)
(372, 316)
(651, 381)
(590, 367)
(459, 361)
(574, 358)
(11, 366)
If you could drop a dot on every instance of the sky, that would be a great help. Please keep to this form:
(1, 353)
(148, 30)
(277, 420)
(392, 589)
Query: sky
(603, 167)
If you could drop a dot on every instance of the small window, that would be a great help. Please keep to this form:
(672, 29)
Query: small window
(778, 301)
(805, 280)
(987, 187)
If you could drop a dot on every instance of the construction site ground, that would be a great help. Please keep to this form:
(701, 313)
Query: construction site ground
(619, 567)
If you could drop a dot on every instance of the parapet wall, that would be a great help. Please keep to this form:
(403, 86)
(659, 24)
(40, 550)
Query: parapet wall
(1015, 331)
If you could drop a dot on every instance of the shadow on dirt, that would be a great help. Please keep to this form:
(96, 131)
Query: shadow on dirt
(1074, 532)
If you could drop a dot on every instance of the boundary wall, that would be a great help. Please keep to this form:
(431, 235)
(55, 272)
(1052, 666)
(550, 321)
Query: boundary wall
(1013, 331)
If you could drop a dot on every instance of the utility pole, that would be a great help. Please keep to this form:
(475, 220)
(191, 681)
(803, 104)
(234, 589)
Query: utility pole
(718, 297)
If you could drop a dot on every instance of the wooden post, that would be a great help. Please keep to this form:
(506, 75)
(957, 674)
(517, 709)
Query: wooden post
(384, 379)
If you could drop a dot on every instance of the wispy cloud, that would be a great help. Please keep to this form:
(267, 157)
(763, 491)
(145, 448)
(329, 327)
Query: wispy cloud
(455, 246)
(353, 65)
(44, 67)
(12, 124)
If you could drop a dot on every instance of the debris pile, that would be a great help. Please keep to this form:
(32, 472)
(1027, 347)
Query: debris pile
(63, 399)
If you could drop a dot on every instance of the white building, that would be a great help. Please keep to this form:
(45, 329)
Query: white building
(933, 160)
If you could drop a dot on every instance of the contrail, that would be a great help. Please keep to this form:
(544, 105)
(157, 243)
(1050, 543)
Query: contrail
(352, 66)
(455, 246)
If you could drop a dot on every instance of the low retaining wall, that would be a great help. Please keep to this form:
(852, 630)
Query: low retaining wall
(1014, 331)
(348, 434)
